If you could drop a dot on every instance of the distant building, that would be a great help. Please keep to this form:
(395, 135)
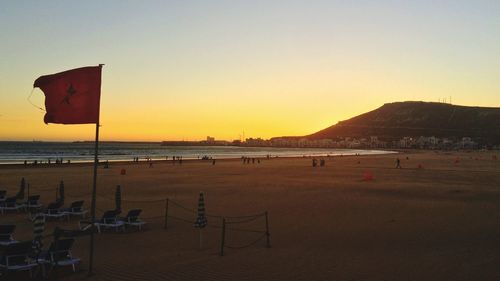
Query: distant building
(468, 143)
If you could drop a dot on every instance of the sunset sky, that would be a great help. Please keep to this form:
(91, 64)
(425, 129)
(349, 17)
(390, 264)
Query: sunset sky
(190, 69)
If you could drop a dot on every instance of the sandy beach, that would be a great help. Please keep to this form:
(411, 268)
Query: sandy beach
(437, 222)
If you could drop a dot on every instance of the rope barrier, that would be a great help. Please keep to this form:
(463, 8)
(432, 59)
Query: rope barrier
(246, 230)
(181, 219)
(112, 198)
(144, 201)
(247, 245)
(245, 221)
(214, 226)
(182, 207)
(247, 216)
(213, 216)
(223, 225)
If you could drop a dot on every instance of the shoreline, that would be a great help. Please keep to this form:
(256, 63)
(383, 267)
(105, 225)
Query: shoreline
(190, 160)
(193, 159)
(331, 153)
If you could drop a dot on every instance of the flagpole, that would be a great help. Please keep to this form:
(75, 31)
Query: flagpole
(92, 211)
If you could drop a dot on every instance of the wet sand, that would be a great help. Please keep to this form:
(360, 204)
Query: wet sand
(438, 222)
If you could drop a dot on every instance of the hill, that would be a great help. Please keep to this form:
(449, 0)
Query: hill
(400, 119)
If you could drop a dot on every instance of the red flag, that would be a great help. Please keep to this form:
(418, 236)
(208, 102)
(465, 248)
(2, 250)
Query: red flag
(73, 96)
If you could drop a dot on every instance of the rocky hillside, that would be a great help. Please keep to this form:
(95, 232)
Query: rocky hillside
(399, 119)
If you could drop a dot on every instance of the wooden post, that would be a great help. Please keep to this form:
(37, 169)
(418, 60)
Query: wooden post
(268, 243)
(223, 237)
(166, 213)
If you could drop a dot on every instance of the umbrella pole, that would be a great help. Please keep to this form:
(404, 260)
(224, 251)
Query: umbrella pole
(201, 235)
(28, 200)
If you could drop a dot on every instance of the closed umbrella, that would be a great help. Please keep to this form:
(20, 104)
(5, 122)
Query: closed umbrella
(38, 227)
(118, 199)
(20, 194)
(201, 219)
(61, 192)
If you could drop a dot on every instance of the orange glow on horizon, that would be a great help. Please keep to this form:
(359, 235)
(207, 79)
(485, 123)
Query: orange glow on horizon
(187, 70)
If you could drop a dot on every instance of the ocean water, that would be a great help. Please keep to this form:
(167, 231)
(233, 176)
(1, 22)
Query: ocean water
(18, 152)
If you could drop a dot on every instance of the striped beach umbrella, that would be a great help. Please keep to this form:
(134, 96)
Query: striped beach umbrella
(38, 227)
(61, 192)
(118, 199)
(201, 220)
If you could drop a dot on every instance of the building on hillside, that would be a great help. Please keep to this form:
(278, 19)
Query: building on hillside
(468, 143)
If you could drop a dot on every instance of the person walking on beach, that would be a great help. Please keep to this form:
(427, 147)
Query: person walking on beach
(398, 163)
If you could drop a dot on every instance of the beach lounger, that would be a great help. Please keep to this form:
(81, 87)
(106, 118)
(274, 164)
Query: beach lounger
(109, 220)
(76, 209)
(17, 257)
(60, 254)
(33, 203)
(54, 210)
(6, 231)
(11, 204)
(132, 218)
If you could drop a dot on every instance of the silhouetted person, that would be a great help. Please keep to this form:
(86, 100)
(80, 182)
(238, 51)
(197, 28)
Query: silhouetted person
(314, 162)
(398, 163)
